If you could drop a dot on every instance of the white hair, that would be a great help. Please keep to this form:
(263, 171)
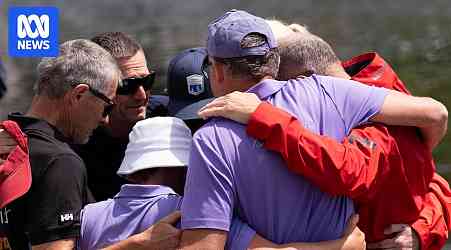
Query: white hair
(79, 61)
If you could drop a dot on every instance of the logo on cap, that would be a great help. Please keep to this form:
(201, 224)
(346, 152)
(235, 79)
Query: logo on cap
(33, 31)
(195, 84)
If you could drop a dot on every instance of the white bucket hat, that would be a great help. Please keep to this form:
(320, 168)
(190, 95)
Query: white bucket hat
(157, 142)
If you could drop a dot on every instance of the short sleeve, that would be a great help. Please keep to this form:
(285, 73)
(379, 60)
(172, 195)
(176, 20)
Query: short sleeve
(355, 101)
(240, 235)
(56, 201)
(209, 194)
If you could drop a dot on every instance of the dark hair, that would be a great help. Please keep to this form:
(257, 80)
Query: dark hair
(255, 67)
(118, 44)
(304, 52)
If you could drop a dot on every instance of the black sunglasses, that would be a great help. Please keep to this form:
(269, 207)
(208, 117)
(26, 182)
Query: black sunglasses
(108, 108)
(130, 85)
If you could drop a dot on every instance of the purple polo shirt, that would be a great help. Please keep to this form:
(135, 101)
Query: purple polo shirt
(230, 172)
(134, 209)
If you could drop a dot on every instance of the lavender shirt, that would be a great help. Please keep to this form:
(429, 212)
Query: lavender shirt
(134, 209)
(230, 172)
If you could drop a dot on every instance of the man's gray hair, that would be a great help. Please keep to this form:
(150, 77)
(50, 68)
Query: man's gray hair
(79, 61)
(281, 30)
(254, 67)
(303, 52)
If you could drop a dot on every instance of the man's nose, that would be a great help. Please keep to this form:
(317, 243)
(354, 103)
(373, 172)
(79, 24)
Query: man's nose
(140, 94)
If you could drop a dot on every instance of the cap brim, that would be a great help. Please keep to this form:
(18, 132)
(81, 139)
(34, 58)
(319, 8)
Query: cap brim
(136, 161)
(156, 100)
(19, 181)
(188, 112)
(157, 106)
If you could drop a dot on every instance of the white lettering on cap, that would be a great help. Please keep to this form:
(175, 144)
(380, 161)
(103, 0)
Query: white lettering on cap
(195, 84)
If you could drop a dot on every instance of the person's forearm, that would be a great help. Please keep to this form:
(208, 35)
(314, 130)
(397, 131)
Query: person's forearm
(132, 243)
(432, 135)
(425, 113)
(66, 244)
(352, 239)
(324, 245)
(162, 235)
(434, 128)
(262, 244)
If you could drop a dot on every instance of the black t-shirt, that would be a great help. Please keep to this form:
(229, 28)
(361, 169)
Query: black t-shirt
(103, 156)
(50, 210)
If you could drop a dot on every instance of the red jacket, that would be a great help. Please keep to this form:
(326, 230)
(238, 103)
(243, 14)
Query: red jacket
(386, 170)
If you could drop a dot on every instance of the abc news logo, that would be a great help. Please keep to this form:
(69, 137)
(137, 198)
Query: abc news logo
(24, 29)
(33, 31)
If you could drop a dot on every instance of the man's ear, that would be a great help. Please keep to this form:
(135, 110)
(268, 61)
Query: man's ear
(77, 93)
(219, 71)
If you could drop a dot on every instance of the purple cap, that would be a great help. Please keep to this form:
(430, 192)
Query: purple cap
(226, 33)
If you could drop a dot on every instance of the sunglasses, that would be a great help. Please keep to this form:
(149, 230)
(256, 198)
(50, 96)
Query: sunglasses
(108, 108)
(130, 85)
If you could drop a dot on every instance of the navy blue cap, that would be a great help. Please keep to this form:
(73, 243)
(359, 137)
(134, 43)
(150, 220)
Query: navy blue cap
(157, 106)
(188, 86)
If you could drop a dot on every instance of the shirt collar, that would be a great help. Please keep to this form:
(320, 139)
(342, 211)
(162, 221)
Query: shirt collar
(30, 123)
(266, 88)
(143, 191)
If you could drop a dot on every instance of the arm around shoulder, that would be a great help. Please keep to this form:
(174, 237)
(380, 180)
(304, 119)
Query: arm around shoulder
(162, 235)
(352, 239)
(429, 115)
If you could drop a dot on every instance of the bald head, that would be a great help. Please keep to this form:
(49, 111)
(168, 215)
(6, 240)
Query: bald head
(303, 53)
(282, 30)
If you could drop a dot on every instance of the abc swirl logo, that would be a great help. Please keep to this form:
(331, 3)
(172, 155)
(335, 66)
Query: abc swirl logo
(33, 31)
